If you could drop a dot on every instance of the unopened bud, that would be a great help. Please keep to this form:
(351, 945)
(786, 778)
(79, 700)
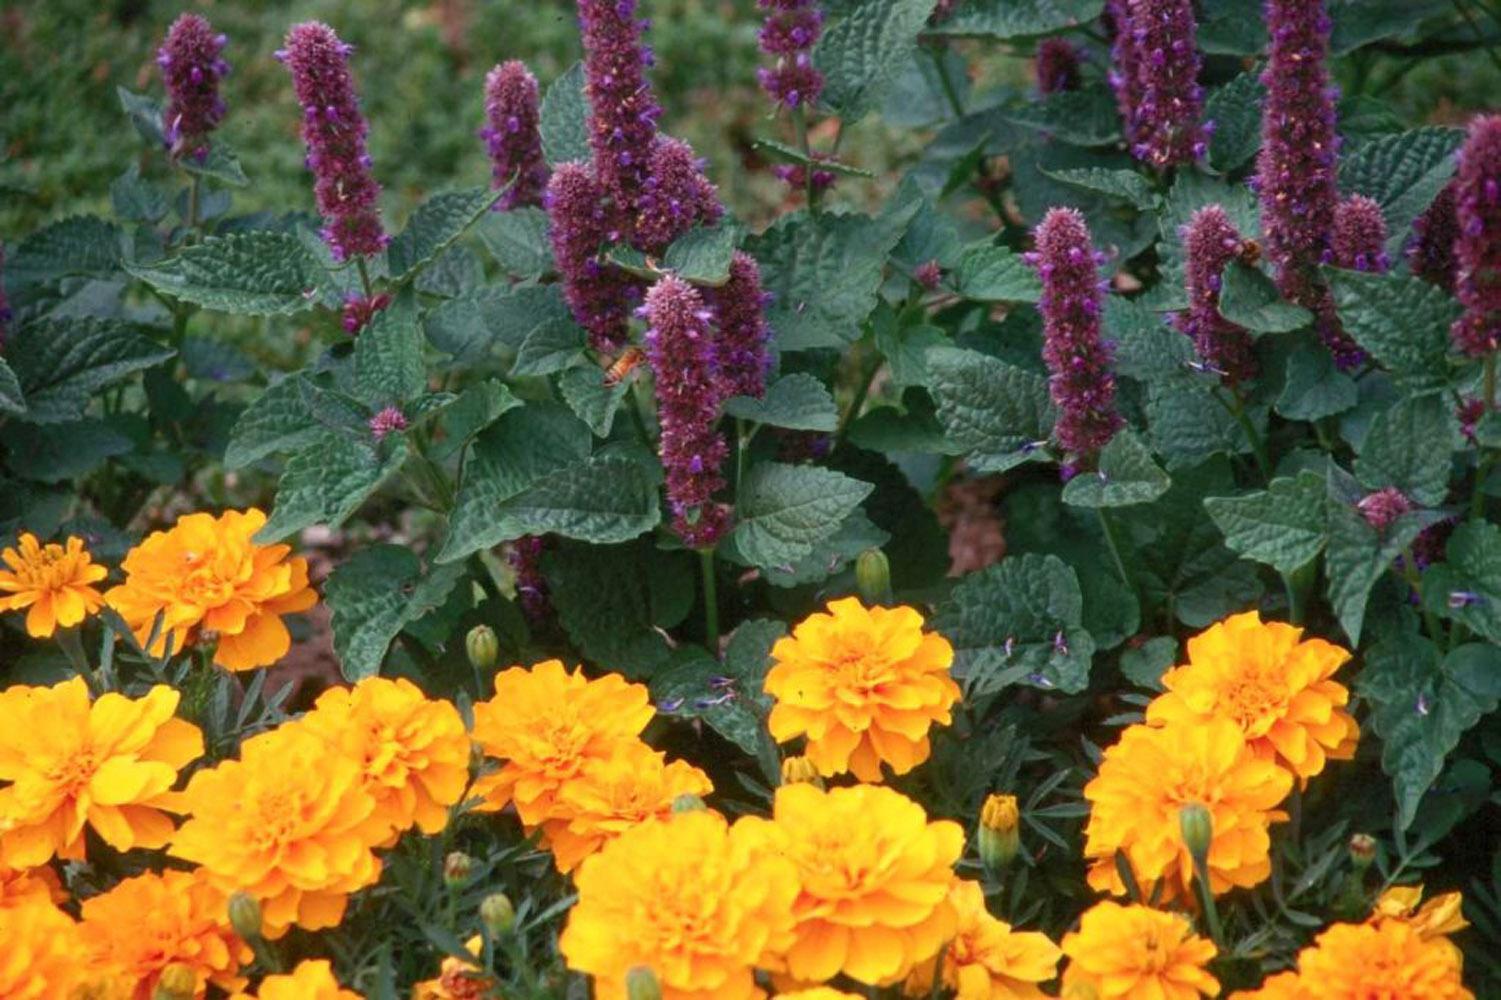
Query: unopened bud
(800, 771)
(1362, 850)
(483, 647)
(641, 984)
(177, 982)
(687, 803)
(1197, 826)
(456, 868)
(245, 915)
(497, 913)
(999, 837)
(873, 577)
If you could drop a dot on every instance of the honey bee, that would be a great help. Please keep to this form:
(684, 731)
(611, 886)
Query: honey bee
(623, 366)
(1250, 252)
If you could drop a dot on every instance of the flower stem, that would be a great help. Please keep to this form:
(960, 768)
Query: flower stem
(194, 191)
(800, 124)
(359, 263)
(1258, 446)
(1206, 900)
(711, 600)
(1115, 550)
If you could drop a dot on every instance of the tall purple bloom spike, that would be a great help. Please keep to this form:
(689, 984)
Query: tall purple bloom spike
(1430, 252)
(623, 108)
(1359, 239)
(1211, 242)
(1477, 251)
(681, 351)
(1057, 66)
(1169, 103)
(1082, 384)
(579, 223)
(192, 66)
(675, 196)
(334, 130)
(1125, 62)
(791, 30)
(740, 309)
(511, 135)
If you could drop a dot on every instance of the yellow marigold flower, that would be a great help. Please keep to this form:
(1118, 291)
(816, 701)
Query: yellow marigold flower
(863, 685)
(288, 823)
(109, 765)
(1439, 917)
(697, 901)
(18, 885)
(986, 959)
(875, 881)
(1388, 958)
(144, 924)
(458, 979)
(414, 751)
(545, 723)
(313, 979)
(612, 794)
(209, 579)
(1282, 986)
(1272, 683)
(799, 769)
(40, 950)
(53, 581)
(818, 993)
(1135, 951)
(1150, 774)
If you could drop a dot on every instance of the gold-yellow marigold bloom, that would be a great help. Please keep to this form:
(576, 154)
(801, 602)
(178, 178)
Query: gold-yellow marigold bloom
(458, 979)
(864, 685)
(1439, 917)
(19, 885)
(109, 764)
(1131, 952)
(697, 901)
(414, 751)
(208, 578)
(1275, 685)
(545, 724)
(1282, 986)
(288, 823)
(53, 582)
(142, 925)
(986, 959)
(875, 877)
(1150, 774)
(818, 993)
(313, 979)
(1389, 959)
(612, 794)
(40, 951)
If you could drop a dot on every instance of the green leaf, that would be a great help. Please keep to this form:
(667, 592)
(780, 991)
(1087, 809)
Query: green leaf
(1403, 173)
(1233, 28)
(221, 165)
(702, 255)
(862, 54)
(830, 556)
(517, 239)
(1422, 703)
(999, 415)
(476, 408)
(145, 114)
(60, 363)
(564, 120)
(1235, 110)
(1187, 424)
(472, 325)
(785, 510)
(1079, 117)
(1007, 19)
(1127, 475)
(1120, 185)
(135, 198)
(905, 346)
(1360, 22)
(80, 244)
(992, 273)
(1282, 526)
(799, 402)
(692, 688)
(1313, 388)
(12, 400)
(249, 274)
(552, 346)
(602, 499)
(787, 154)
(388, 364)
(1358, 555)
(54, 453)
(326, 482)
(1466, 586)
(1249, 299)
(1019, 621)
(434, 227)
(1409, 447)
(1145, 665)
(1401, 321)
(375, 594)
(279, 420)
(583, 388)
(1146, 346)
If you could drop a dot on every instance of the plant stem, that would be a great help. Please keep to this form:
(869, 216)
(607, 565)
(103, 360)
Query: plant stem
(858, 402)
(1258, 446)
(1410, 573)
(800, 125)
(711, 600)
(1115, 549)
(949, 90)
(359, 263)
(194, 190)
(1206, 900)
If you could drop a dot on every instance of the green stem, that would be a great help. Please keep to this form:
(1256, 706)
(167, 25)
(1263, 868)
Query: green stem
(858, 403)
(711, 600)
(1206, 900)
(359, 264)
(72, 644)
(1115, 549)
(1410, 573)
(194, 190)
(949, 90)
(742, 445)
(800, 125)
(1258, 446)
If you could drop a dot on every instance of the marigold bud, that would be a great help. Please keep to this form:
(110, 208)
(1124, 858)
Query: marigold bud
(1197, 826)
(999, 838)
(457, 867)
(688, 802)
(1362, 850)
(177, 982)
(641, 984)
(799, 770)
(497, 913)
(245, 915)
(483, 647)
(873, 576)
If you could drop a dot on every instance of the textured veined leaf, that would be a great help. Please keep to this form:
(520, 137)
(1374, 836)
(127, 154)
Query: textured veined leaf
(1283, 526)
(434, 227)
(251, 274)
(375, 594)
(564, 120)
(58, 364)
(998, 414)
(797, 402)
(862, 53)
(785, 510)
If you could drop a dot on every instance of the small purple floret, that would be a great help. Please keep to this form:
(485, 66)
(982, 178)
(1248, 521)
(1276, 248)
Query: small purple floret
(1430, 252)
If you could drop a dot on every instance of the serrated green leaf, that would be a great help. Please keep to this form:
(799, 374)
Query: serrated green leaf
(1080, 117)
(1127, 475)
(375, 594)
(1145, 665)
(279, 420)
(552, 346)
(564, 122)
(1146, 346)
(221, 165)
(1120, 185)
(1403, 173)
(1409, 447)
(604, 500)
(136, 198)
(1233, 28)
(702, 255)
(905, 346)
(472, 325)
(388, 364)
(830, 556)
(250, 274)
(992, 273)
(517, 239)
(1249, 299)
(1312, 387)
(862, 53)
(787, 154)
(693, 687)
(1466, 586)
(326, 482)
(1361, 22)
(888, 429)
(476, 408)
(1358, 554)
(798, 402)
(79, 244)
(434, 227)
(12, 399)
(145, 114)
(1007, 19)
(1187, 424)
(1235, 110)
(59, 363)
(999, 415)
(1282, 526)
(786, 510)
(1401, 321)
(584, 389)
(54, 453)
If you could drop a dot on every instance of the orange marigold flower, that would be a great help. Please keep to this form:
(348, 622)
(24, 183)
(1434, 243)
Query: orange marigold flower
(40, 950)
(545, 723)
(207, 578)
(1135, 951)
(1150, 774)
(863, 685)
(458, 979)
(288, 823)
(1388, 958)
(1439, 917)
(313, 979)
(699, 902)
(612, 794)
(109, 764)
(18, 885)
(414, 751)
(818, 993)
(875, 881)
(986, 959)
(144, 924)
(1282, 986)
(1271, 682)
(53, 581)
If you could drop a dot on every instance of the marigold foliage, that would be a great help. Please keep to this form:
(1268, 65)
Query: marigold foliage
(313, 979)
(52, 582)
(1136, 951)
(986, 959)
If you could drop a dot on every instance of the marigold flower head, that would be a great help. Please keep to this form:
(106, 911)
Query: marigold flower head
(109, 765)
(313, 979)
(1282, 986)
(875, 880)
(288, 823)
(145, 924)
(19, 885)
(1150, 774)
(546, 724)
(414, 751)
(207, 577)
(986, 959)
(863, 685)
(1477, 332)
(697, 901)
(1439, 917)
(614, 793)
(511, 134)
(192, 66)
(1135, 951)
(54, 582)
(818, 993)
(1386, 958)
(40, 959)
(1271, 682)
(458, 979)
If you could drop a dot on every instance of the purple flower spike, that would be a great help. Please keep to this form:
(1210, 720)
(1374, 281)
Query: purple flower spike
(334, 130)
(511, 135)
(1212, 242)
(387, 421)
(681, 352)
(1477, 251)
(1057, 66)
(740, 310)
(1082, 384)
(623, 108)
(1382, 508)
(1169, 103)
(1359, 239)
(578, 224)
(1430, 252)
(791, 30)
(675, 197)
(525, 558)
(1124, 65)
(192, 67)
